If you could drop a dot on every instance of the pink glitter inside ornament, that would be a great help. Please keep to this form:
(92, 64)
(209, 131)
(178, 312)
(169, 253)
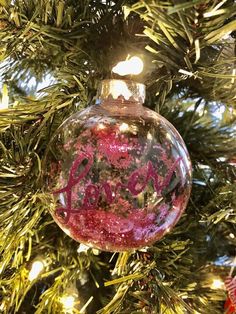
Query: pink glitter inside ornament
(120, 174)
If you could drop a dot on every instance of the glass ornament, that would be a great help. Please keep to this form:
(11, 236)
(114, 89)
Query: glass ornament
(119, 173)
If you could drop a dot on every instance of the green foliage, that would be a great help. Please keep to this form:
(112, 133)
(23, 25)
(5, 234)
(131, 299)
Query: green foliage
(188, 62)
(191, 45)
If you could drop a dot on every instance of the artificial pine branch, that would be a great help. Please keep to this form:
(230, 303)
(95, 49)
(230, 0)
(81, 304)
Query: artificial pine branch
(64, 38)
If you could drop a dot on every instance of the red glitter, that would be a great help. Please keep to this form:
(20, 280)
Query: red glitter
(119, 190)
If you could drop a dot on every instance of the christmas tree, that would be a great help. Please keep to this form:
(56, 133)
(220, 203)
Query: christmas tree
(53, 56)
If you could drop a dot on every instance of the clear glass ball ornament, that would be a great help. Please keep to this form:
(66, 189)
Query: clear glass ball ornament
(119, 173)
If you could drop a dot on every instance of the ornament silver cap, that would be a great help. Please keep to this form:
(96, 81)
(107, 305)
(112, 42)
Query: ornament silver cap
(122, 90)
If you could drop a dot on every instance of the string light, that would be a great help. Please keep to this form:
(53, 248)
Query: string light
(2, 306)
(133, 66)
(95, 252)
(217, 284)
(82, 248)
(68, 302)
(36, 269)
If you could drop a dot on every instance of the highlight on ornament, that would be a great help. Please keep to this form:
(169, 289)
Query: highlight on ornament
(36, 269)
(119, 87)
(132, 66)
(124, 127)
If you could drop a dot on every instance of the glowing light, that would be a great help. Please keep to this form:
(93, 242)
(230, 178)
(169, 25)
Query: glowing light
(82, 248)
(2, 306)
(217, 284)
(68, 302)
(124, 127)
(133, 66)
(37, 268)
(5, 98)
(95, 251)
(231, 235)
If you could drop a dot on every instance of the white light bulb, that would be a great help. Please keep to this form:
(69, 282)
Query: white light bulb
(36, 269)
(136, 65)
(68, 302)
(217, 284)
(2, 306)
(82, 248)
(132, 66)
